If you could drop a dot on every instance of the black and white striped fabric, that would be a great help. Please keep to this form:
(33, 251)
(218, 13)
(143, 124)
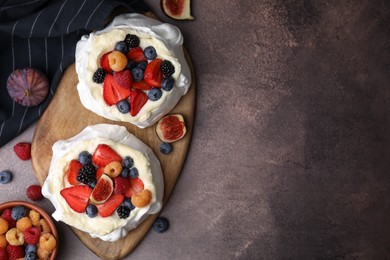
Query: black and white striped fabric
(43, 34)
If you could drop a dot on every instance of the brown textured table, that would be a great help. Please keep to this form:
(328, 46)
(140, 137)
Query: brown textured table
(290, 155)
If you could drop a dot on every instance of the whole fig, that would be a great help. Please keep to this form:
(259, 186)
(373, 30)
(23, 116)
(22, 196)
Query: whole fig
(28, 86)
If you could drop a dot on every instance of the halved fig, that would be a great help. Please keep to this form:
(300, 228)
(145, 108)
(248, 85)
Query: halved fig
(177, 9)
(103, 190)
(171, 128)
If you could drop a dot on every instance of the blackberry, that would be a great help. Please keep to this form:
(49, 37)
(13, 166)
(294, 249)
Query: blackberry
(123, 211)
(167, 68)
(87, 174)
(99, 75)
(132, 40)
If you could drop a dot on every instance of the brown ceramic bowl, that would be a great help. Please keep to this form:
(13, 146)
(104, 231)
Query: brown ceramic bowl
(44, 215)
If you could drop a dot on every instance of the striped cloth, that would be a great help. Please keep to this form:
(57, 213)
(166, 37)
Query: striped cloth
(43, 34)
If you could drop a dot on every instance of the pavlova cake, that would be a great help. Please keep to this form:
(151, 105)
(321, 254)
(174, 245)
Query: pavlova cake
(104, 181)
(133, 71)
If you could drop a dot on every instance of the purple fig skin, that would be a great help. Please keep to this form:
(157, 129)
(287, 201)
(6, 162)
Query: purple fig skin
(28, 86)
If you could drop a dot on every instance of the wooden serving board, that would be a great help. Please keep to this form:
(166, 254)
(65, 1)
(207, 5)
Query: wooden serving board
(65, 117)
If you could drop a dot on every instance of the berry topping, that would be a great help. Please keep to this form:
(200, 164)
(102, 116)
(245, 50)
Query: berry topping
(121, 184)
(130, 65)
(30, 248)
(138, 74)
(117, 60)
(85, 157)
(104, 62)
(141, 85)
(142, 65)
(166, 148)
(141, 199)
(123, 106)
(155, 94)
(135, 186)
(160, 225)
(31, 235)
(150, 53)
(18, 212)
(123, 78)
(87, 174)
(128, 162)
(14, 252)
(167, 68)
(123, 211)
(99, 173)
(107, 208)
(133, 172)
(167, 83)
(104, 154)
(34, 192)
(103, 190)
(153, 74)
(136, 55)
(125, 172)
(7, 216)
(122, 47)
(23, 151)
(77, 197)
(72, 172)
(99, 75)
(91, 211)
(113, 92)
(137, 100)
(113, 169)
(132, 40)
(127, 203)
(5, 177)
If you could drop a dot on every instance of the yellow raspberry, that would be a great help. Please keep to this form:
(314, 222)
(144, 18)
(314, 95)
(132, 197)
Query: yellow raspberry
(3, 241)
(42, 253)
(113, 169)
(23, 223)
(3, 226)
(45, 228)
(15, 237)
(117, 60)
(35, 217)
(47, 242)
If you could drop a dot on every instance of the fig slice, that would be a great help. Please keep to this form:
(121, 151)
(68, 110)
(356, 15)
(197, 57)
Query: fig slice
(103, 190)
(171, 128)
(177, 9)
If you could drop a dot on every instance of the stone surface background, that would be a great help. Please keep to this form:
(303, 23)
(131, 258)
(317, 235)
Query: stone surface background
(290, 155)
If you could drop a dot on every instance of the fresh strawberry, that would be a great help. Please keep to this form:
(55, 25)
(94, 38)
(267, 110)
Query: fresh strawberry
(104, 62)
(113, 92)
(3, 254)
(23, 151)
(141, 85)
(123, 78)
(153, 74)
(137, 100)
(136, 55)
(7, 216)
(121, 185)
(31, 235)
(77, 197)
(34, 192)
(135, 186)
(14, 252)
(73, 170)
(103, 155)
(107, 208)
(99, 173)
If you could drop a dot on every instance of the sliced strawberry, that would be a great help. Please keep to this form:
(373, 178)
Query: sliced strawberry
(137, 100)
(104, 62)
(136, 55)
(73, 170)
(77, 197)
(108, 208)
(113, 92)
(121, 185)
(135, 186)
(99, 173)
(123, 78)
(141, 85)
(104, 154)
(153, 74)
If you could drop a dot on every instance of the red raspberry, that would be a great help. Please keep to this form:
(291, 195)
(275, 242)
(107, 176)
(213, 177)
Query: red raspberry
(3, 254)
(34, 192)
(14, 252)
(23, 151)
(7, 216)
(31, 235)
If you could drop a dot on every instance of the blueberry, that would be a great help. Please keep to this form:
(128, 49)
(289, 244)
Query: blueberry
(130, 65)
(167, 83)
(18, 212)
(123, 106)
(133, 172)
(125, 172)
(91, 211)
(92, 183)
(122, 47)
(150, 53)
(127, 203)
(128, 162)
(30, 256)
(30, 248)
(166, 148)
(160, 225)
(85, 157)
(154, 94)
(137, 73)
(142, 65)
(5, 177)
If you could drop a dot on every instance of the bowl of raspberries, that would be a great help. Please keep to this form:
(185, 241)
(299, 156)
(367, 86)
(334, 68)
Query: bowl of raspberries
(27, 232)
